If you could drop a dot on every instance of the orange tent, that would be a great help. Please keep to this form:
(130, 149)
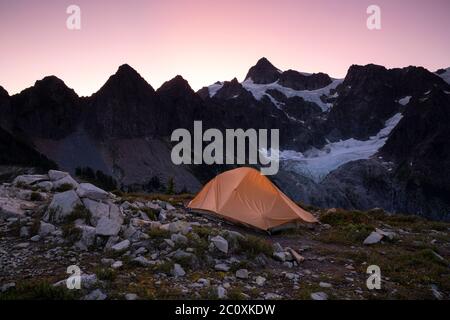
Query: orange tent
(245, 196)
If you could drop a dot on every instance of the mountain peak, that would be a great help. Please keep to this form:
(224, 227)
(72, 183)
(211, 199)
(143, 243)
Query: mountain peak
(3, 92)
(51, 82)
(178, 83)
(126, 79)
(263, 72)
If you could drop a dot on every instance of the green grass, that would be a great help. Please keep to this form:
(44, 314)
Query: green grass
(106, 274)
(79, 212)
(71, 232)
(39, 290)
(347, 234)
(253, 246)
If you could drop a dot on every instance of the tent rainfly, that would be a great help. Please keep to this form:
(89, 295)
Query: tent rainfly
(245, 196)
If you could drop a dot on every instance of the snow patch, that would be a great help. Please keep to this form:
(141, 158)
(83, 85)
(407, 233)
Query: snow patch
(317, 164)
(446, 75)
(259, 90)
(405, 100)
(214, 88)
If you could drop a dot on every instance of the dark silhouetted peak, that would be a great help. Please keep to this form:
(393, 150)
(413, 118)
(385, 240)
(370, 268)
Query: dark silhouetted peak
(299, 81)
(49, 109)
(125, 107)
(126, 79)
(177, 84)
(3, 92)
(263, 72)
(52, 85)
(232, 90)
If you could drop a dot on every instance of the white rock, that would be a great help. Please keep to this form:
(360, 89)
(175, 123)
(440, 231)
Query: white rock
(220, 243)
(62, 205)
(87, 235)
(143, 261)
(14, 208)
(45, 185)
(388, 234)
(319, 296)
(107, 227)
(242, 274)
(121, 246)
(222, 267)
(280, 256)
(272, 296)
(29, 179)
(35, 238)
(221, 292)
(373, 238)
(97, 210)
(67, 180)
(178, 271)
(325, 285)
(277, 247)
(45, 229)
(87, 190)
(179, 238)
(97, 294)
(117, 265)
(260, 280)
(131, 296)
(56, 175)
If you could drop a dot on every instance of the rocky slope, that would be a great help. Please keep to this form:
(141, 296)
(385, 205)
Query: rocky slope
(135, 247)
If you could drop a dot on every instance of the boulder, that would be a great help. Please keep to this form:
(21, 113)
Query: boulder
(97, 294)
(319, 296)
(373, 238)
(260, 280)
(242, 274)
(62, 205)
(178, 271)
(179, 238)
(221, 292)
(97, 210)
(222, 267)
(110, 224)
(87, 190)
(29, 179)
(107, 227)
(131, 296)
(13, 208)
(56, 175)
(143, 261)
(45, 229)
(87, 235)
(117, 264)
(67, 180)
(45, 185)
(220, 243)
(325, 285)
(121, 246)
(280, 256)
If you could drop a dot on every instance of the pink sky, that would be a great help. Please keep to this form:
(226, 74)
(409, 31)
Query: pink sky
(206, 41)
